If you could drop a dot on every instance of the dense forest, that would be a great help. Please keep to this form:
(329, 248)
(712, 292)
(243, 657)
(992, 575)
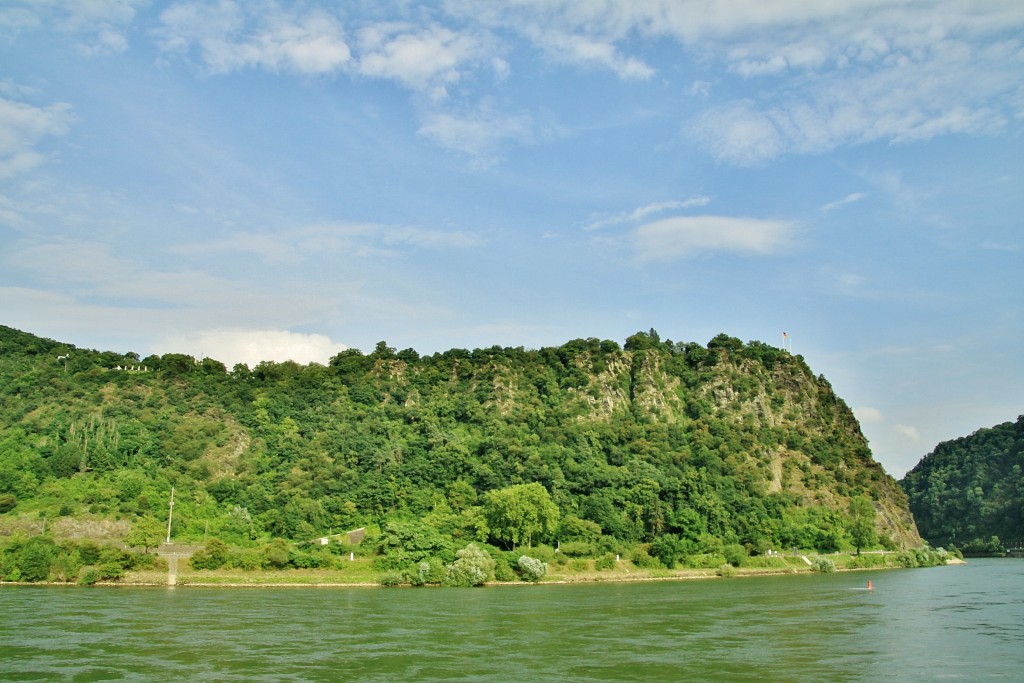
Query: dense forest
(680, 448)
(971, 489)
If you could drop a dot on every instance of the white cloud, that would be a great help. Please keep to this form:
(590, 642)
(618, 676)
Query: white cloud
(425, 59)
(738, 134)
(848, 199)
(907, 431)
(228, 37)
(867, 414)
(642, 212)
(830, 74)
(579, 49)
(232, 346)
(679, 237)
(479, 134)
(22, 127)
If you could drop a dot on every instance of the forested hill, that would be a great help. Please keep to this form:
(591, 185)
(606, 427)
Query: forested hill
(970, 489)
(723, 443)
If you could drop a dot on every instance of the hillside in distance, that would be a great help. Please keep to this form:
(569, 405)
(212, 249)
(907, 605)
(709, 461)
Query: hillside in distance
(970, 489)
(713, 444)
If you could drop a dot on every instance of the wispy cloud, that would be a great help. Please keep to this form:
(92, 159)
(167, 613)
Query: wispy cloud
(907, 431)
(22, 127)
(227, 37)
(480, 133)
(642, 212)
(848, 199)
(868, 414)
(353, 239)
(674, 238)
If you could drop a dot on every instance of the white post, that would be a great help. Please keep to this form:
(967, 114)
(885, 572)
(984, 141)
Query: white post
(170, 512)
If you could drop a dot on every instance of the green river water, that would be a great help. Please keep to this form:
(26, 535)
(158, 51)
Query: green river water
(944, 623)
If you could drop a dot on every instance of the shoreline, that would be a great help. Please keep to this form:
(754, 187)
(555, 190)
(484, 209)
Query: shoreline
(185, 581)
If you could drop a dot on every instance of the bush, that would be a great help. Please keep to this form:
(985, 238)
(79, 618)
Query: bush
(7, 502)
(111, 571)
(641, 558)
(605, 562)
(532, 569)
(735, 554)
(706, 561)
(472, 568)
(666, 549)
(726, 571)
(577, 549)
(90, 576)
(390, 579)
(213, 556)
(823, 565)
(503, 571)
(35, 558)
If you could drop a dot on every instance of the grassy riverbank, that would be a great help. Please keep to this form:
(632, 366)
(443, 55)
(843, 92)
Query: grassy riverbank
(362, 573)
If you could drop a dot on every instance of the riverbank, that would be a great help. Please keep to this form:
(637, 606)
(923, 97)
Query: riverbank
(361, 574)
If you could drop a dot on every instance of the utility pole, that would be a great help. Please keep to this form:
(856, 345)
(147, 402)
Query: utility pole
(170, 512)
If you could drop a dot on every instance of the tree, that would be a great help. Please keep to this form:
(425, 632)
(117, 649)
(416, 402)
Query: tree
(147, 532)
(520, 513)
(862, 522)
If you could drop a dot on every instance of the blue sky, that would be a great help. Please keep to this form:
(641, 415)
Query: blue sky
(271, 180)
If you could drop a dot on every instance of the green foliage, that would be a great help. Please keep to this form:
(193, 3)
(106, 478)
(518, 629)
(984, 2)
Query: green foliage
(146, 532)
(605, 562)
(862, 522)
(532, 569)
(405, 543)
(521, 513)
(735, 554)
(823, 565)
(577, 549)
(7, 502)
(40, 558)
(601, 447)
(213, 556)
(726, 571)
(472, 567)
(972, 488)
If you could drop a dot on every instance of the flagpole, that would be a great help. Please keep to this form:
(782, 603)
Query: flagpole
(170, 512)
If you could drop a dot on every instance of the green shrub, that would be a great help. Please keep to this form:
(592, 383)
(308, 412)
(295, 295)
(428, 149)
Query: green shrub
(213, 556)
(503, 571)
(392, 578)
(577, 549)
(7, 502)
(111, 571)
(735, 554)
(706, 561)
(471, 568)
(906, 559)
(823, 565)
(642, 558)
(34, 559)
(726, 571)
(532, 569)
(90, 576)
(605, 562)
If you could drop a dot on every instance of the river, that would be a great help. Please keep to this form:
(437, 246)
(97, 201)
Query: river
(944, 623)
